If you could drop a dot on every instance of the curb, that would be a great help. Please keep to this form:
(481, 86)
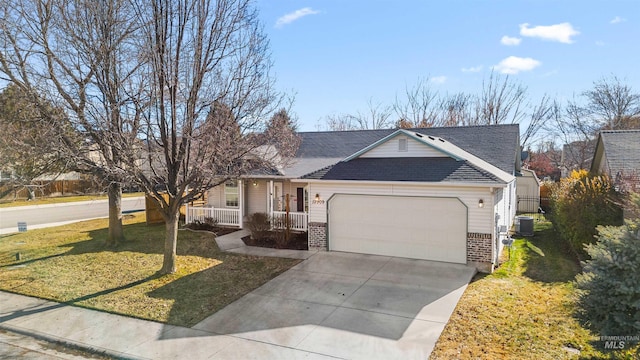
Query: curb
(68, 343)
(7, 231)
(74, 203)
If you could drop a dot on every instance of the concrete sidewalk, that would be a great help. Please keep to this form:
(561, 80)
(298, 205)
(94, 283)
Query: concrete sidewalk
(128, 338)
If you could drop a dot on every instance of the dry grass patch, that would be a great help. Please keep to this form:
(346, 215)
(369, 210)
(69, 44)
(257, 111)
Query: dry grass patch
(71, 264)
(524, 310)
(60, 199)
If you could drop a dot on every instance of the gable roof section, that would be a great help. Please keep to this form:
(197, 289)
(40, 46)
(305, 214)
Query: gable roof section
(496, 144)
(458, 166)
(413, 169)
(621, 148)
(414, 135)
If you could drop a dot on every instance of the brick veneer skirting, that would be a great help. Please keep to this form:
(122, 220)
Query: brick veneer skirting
(479, 247)
(317, 235)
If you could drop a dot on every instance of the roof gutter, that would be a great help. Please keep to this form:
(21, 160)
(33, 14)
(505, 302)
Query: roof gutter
(489, 185)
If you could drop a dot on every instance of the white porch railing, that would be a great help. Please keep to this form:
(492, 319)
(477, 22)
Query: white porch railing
(226, 217)
(298, 220)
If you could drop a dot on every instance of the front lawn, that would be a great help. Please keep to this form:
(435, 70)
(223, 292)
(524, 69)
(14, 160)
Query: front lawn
(524, 310)
(70, 264)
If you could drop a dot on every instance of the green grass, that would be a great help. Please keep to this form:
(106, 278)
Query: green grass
(60, 200)
(524, 310)
(71, 264)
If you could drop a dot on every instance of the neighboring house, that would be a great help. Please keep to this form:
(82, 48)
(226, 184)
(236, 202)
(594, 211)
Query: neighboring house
(444, 194)
(527, 191)
(575, 156)
(617, 155)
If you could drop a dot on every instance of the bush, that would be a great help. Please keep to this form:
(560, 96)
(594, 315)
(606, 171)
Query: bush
(579, 204)
(259, 224)
(609, 288)
(208, 224)
(281, 232)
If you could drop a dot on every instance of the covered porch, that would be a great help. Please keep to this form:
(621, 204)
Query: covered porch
(231, 203)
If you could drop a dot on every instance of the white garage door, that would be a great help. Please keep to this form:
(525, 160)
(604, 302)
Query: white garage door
(411, 227)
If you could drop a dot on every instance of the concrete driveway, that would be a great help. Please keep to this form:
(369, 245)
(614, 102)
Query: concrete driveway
(349, 306)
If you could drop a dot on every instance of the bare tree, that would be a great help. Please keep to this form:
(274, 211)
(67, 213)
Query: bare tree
(539, 115)
(81, 56)
(611, 103)
(340, 122)
(210, 89)
(456, 110)
(418, 107)
(377, 116)
(26, 147)
(501, 101)
(576, 133)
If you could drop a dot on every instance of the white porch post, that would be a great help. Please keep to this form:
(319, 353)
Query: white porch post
(240, 202)
(270, 200)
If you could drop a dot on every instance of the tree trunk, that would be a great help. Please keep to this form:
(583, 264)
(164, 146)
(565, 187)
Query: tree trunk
(170, 242)
(116, 233)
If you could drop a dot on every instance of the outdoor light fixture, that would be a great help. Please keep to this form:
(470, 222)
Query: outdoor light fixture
(255, 183)
(317, 200)
(317, 197)
(480, 203)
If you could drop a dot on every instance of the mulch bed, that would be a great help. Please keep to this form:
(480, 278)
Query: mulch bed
(298, 241)
(218, 230)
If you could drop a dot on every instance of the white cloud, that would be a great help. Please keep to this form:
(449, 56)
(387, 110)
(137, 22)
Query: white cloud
(617, 20)
(510, 41)
(513, 65)
(559, 32)
(293, 16)
(439, 79)
(472, 69)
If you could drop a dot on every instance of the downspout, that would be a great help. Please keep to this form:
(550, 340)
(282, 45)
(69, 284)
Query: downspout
(270, 203)
(240, 203)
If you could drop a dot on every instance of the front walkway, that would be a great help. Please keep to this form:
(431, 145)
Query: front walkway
(233, 243)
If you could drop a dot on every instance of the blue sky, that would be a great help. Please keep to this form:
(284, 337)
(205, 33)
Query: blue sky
(336, 55)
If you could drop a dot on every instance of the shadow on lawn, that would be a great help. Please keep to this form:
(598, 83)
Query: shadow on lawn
(40, 309)
(548, 257)
(139, 238)
(198, 295)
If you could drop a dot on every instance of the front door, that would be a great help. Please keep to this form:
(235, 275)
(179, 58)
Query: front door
(300, 199)
(278, 200)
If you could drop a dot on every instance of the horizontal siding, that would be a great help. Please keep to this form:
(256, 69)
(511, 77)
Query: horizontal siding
(505, 208)
(527, 186)
(256, 196)
(414, 149)
(216, 196)
(480, 219)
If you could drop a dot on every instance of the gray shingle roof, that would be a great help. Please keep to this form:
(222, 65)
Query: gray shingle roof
(622, 150)
(442, 169)
(495, 144)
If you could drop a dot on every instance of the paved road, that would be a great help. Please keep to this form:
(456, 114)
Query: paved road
(61, 213)
(17, 346)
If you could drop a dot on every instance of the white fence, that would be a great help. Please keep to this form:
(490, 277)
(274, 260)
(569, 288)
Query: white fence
(226, 217)
(298, 220)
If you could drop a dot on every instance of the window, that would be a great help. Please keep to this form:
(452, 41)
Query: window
(231, 193)
(402, 145)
